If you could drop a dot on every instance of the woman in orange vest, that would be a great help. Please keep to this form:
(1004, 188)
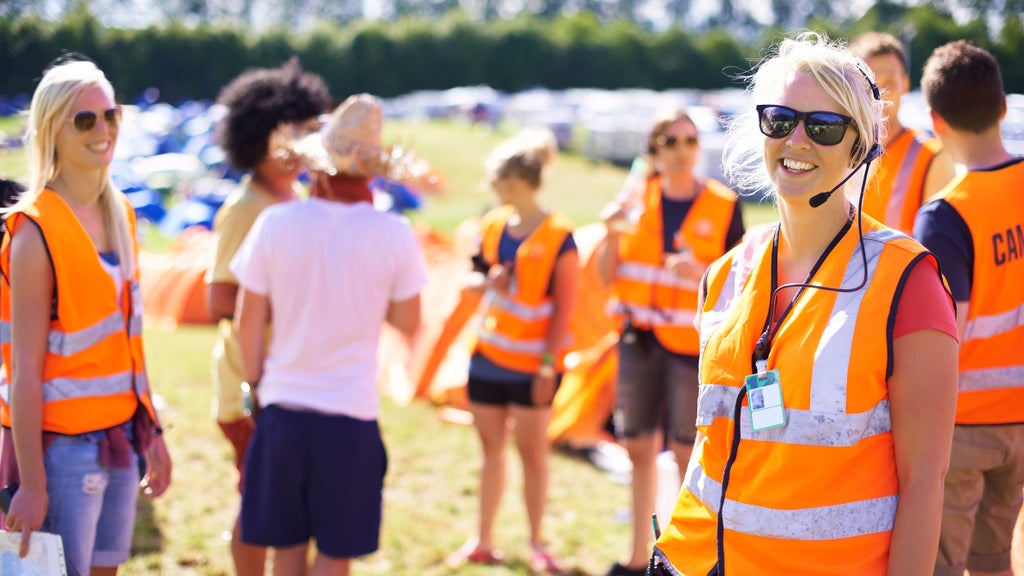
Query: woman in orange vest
(658, 244)
(74, 402)
(828, 353)
(529, 258)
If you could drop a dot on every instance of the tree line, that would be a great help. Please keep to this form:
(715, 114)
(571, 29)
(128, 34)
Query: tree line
(390, 58)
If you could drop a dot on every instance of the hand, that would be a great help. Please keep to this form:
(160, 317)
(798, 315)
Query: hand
(614, 216)
(158, 469)
(499, 277)
(685, 266)
(543, 388)
(26, 514)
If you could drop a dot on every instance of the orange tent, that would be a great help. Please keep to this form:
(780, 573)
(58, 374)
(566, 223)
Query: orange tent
(173, 291)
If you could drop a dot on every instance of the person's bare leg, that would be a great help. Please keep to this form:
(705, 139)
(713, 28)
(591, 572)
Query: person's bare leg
(329, 566)
(249, 560)
(291, 561)
(643, 452)
(534, 447)
(491, 423)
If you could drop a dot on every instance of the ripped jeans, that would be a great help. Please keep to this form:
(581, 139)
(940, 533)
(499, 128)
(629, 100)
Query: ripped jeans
(92, 507)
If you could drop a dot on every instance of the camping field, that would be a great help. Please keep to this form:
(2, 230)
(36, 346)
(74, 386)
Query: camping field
(430, 499)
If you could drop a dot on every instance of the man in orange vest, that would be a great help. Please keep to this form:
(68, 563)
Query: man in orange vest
(976, 229)
(913, 167)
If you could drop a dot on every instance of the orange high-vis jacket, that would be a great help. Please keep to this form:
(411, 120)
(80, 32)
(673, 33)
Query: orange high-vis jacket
(992, 347)
(895, 195)
(818, 495)
(650, 296)
(94, 372)
(514, 330)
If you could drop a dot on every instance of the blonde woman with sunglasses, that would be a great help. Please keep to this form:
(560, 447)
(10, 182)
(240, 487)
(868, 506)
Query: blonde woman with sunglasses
(842, 330)
(75, 403)
(654, 263)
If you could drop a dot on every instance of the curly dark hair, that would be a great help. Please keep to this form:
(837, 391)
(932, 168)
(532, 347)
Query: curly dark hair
(260, 99)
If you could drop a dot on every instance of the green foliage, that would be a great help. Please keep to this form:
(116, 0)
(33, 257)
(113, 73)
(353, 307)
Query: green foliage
(417, 53)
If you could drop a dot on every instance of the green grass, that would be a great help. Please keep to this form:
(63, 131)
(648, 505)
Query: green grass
(430, 496)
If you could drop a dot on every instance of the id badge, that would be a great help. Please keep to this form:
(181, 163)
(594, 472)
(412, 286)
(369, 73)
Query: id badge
(764, 396)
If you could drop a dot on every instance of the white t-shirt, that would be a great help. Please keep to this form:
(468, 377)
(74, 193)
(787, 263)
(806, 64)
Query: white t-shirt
(330, 271)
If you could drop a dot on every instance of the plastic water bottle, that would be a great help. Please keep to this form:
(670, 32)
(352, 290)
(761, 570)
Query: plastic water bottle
(631, 195)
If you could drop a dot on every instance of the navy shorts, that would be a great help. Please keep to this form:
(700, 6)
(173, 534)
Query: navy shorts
(312, 475)
(502, 393)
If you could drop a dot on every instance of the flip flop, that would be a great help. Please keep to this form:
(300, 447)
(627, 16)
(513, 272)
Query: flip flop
(474, 555)
(542, 561)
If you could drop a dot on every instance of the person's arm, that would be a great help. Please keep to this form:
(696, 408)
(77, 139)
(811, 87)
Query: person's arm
(608, 252)
(940, 172)
(922, 398)
(32, 286)
(404, 316)
(221, 299)
(251, 319)
(565, 279)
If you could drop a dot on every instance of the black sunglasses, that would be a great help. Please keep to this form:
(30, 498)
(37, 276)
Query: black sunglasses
(825, 128)
(86, 120)
(671, 141)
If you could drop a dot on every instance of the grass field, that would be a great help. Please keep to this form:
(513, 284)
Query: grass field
(430, 500)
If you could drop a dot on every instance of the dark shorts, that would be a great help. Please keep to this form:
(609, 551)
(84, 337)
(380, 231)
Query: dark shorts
(657, 389)
(312, 475)
(502, 393)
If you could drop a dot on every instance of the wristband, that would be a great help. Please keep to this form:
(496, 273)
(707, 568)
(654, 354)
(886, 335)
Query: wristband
(547, 359)
(158, 431)
(546, 371)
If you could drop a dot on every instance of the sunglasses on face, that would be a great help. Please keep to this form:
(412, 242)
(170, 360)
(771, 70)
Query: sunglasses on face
(825, 128)
(670, 141)
(86, 120)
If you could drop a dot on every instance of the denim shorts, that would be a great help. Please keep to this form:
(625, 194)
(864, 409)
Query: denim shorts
(657, 390)
(92, 507)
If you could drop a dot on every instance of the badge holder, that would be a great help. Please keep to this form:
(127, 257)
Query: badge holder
(764, 397)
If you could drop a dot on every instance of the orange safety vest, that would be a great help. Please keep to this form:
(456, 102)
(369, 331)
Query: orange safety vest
(648, 295)
(514, 330)
(818, 495)
(94, 372)
(896, 194)
(992, 347)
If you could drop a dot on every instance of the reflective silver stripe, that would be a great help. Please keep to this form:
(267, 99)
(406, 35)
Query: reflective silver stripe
(818, 523)
(523, 311)
(70, 388)
(5, 388)
(653, 275)
(803, 427)
(644, 316)
(992, 379)
(829, 377)
(141, 383)
(71, 343)
(894, 210)
(135, 326)
(991, 325)
(744, 259)
(506, 343)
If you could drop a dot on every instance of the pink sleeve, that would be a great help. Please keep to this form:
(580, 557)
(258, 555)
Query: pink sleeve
(924, 303)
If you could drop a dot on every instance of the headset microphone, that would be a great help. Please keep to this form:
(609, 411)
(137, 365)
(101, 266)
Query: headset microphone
(821, 197)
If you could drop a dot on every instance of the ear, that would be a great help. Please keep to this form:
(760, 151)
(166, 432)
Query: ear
(939, 125)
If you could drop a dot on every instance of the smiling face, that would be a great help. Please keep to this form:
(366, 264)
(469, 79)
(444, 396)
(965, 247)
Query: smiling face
(90, 149)
(797, 166)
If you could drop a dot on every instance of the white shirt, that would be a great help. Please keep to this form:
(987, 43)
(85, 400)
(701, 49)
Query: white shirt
(330, 271)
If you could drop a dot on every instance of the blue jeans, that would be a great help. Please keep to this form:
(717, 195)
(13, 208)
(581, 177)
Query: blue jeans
(92, 507)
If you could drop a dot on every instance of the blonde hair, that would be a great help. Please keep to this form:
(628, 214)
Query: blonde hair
(524, 156)
(52, 105)
(840, 74)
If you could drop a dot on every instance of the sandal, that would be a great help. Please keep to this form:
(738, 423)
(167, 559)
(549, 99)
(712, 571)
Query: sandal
(469, 553)
(542, 561)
